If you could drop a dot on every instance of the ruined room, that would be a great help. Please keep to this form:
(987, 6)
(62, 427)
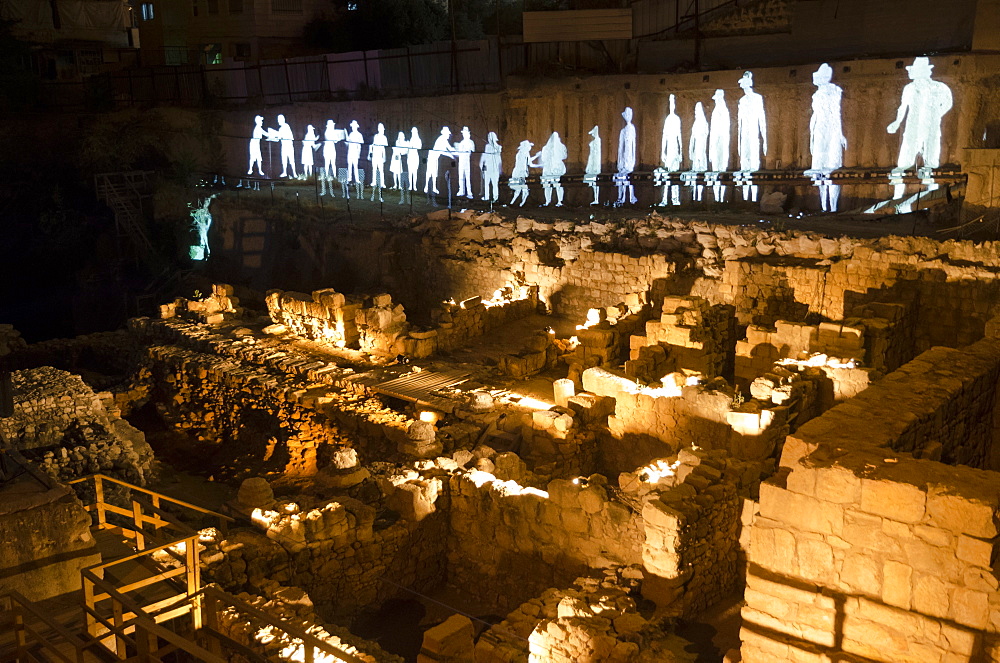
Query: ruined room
(650, 333)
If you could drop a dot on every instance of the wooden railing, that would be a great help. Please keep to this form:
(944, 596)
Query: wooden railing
(129, 626)
(112, 610)
(54, 640)
(139, 515)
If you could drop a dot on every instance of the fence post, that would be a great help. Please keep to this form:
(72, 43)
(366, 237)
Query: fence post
(288, 81)
(89, 604)
(140, 540)
(193, 563)
(102, 516)
(118, 621)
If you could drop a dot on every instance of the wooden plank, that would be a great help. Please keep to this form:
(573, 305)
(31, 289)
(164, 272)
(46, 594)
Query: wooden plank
(577, 25)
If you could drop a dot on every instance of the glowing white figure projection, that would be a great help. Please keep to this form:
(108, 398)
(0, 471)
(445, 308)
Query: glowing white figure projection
(553, 161)
(923, 105)
(441, 147)
(463, 149)
(256, 158)
(396, 161)
(698, 150)
(752, 130)
(718, 143)
(626, 160)
(826, 136)
(309, 145)
(354, 142)
(522, 162)
(331, 136)
(491, 165)
(671, 152)
(287, 139)
(201, 222)
(413, 157)
(376, 154)
(593, 168)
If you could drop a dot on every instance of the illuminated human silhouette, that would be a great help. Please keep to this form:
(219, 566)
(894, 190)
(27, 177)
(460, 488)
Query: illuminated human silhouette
(522, 162)
(593, 168)
(826, 136)
(396, 161)
(626, 159)
(752, 131)
(201, 221)
(413, 157)
(698, 148)
(718, 142)
(331, 136)
(309, 145)
(376, 154)
(463, 149)
(553, 163)
(441, 147)
(923, 105)
(255, 155)
(671, 151)
(354, 142)
(491, 165)
(287, 140)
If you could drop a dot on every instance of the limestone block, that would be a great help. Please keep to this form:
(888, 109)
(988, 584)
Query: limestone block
(899, 501)
(958, 513)
(602, 382)
(451, 640)
(897, 584)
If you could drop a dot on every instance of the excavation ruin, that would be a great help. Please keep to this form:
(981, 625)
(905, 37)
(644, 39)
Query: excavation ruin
(801, 421)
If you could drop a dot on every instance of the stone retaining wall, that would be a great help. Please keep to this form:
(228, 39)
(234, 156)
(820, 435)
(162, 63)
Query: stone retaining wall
(866, 545)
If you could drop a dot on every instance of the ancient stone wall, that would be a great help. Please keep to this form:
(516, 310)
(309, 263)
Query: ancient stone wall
(651, 422)
(377, 325)
(948, 290)
(47, 540)
(335, 549)
(70, 431)
(547, 538)
(865, 544)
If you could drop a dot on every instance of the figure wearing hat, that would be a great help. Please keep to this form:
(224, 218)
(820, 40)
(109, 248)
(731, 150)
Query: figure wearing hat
(923, 105)
(752, 131)
(354, 142)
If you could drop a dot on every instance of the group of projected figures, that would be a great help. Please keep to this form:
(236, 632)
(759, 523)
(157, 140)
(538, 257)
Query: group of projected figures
(923, 105)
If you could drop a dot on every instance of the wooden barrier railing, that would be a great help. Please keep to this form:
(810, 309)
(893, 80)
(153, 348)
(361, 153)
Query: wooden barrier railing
(130, 626)
(57, 642)
(141, 515)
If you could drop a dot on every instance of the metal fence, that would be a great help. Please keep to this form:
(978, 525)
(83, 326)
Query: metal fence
(465, 66)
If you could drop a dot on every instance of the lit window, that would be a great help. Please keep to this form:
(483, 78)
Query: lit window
(352, 6)
(147, 11)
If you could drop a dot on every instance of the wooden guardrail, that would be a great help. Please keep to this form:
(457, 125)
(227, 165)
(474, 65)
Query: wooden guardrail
(142, 515)
(127, 626)
(66, 647)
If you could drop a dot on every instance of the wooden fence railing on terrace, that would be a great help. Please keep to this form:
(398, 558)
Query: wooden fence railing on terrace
(141, 619)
